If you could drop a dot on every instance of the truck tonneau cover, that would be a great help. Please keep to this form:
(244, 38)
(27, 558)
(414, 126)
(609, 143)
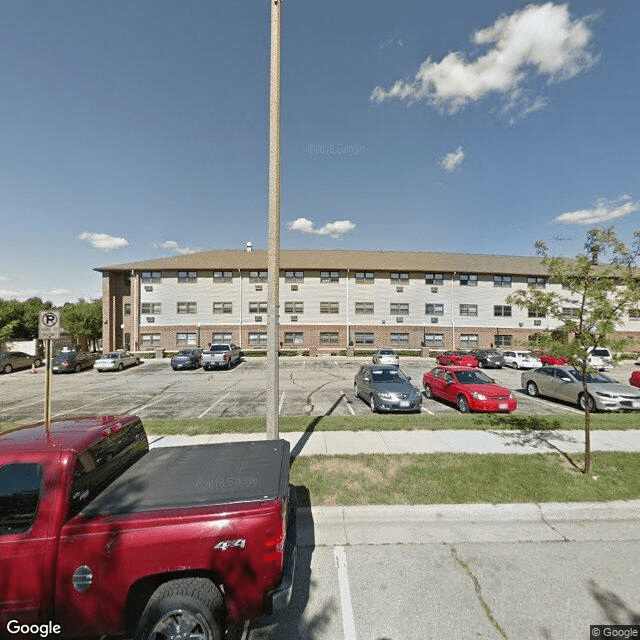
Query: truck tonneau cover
(196, 476)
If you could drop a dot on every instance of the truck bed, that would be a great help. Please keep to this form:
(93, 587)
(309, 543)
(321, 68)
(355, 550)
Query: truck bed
(196, 476)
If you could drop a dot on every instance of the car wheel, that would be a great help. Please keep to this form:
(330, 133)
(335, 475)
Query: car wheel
(428, 392)
(37, 362)
(514, 365)
(532, 389)
(372, 403)
(480, 365)
(583, 404)
(228, 364)
(7, 368)
(190, 609)
(120, 367)
(463, 404)
(77, 368)
(356, 395)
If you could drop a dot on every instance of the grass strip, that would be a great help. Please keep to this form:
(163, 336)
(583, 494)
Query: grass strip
(464, 478)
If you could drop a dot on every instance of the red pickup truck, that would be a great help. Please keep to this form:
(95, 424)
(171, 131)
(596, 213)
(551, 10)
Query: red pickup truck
(101, 536)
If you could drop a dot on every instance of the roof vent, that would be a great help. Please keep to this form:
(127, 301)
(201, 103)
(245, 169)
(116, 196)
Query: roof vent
(249, 246)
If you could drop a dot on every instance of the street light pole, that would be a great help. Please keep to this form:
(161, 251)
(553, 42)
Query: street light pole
(273, 250)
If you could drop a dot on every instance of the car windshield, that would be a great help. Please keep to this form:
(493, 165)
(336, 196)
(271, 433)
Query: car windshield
(386, 352)
(473, 377)
(388, 375)
(219, 347)
(65, 356)
(186, 352)
(600, 352)
(525, 354)
(111, 356)
(592, 377)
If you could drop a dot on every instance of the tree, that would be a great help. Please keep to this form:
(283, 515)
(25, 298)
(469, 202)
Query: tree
(19, 320)
(83, 320)
(594, 298)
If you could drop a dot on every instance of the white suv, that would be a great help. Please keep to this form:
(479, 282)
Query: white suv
(600, 358)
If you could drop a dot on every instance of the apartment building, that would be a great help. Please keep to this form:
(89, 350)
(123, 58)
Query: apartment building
(329, 300)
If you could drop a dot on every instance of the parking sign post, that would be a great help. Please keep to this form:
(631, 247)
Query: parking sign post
(48, 329)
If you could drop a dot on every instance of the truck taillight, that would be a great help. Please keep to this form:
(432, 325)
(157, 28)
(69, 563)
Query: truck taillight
(274, 546)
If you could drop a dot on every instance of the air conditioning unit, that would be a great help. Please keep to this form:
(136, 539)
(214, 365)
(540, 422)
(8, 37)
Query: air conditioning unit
(399, 289)
(537, 323)
(294, 287)
(258, 287)
(399, 319)
(434, 319)
(294, 318)
(257, 319)
(151, 319)
(148, 287)
(434, 289)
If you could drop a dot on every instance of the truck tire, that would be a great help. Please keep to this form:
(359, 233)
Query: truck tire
(189, 608)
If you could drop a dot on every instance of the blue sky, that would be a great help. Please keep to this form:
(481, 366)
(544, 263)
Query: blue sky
(136, 130)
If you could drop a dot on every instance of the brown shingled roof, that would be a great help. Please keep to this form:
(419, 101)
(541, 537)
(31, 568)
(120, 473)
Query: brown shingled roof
(342, 259)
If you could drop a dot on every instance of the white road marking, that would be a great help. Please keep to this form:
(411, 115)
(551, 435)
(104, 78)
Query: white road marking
(217, 402)
(348, 623)
(154, 402)
(281, 401)
(344, 395)
(61, 413)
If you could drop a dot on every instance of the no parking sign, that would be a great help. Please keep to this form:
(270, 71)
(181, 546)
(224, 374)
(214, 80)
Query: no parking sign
(49, 324)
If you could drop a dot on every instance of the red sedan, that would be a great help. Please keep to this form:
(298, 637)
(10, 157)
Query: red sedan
(469, 390)
(553, 360)
(457, 358)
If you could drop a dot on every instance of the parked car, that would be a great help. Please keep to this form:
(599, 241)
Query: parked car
(386, 388)
(10, 360)
(116, 361)
(72, 361)
(488, 358)
(551, 359)
(386, 356)
(458, 358)
(219, 355)
(565, 383)
(634, 380)
(187, 359)
(468, 389)
(520, 359)
(599, 358)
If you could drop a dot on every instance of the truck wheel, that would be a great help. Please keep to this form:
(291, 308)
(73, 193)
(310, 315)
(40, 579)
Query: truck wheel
(186, 609)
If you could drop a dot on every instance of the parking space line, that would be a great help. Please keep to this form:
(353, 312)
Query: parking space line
(217, 402)
(348, 623)
(281, 401)
(154, 402)
(348, 402)
(61, 413)
(550, 403)
(427, 411)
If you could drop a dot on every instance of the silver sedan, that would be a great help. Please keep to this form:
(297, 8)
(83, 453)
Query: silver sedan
(565, 383)
(386, 356)
(386, 388)
(116, 361)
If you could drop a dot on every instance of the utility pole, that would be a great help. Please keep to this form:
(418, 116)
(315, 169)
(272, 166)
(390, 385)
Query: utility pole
(273, 250)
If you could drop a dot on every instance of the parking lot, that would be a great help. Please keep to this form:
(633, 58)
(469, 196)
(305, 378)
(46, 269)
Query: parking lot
(308, 386)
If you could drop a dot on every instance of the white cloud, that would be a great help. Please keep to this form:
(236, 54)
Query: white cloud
(334, 229)
(539, 39)
(452, 160)
(103, 240)
(172, 245)
(602, 211)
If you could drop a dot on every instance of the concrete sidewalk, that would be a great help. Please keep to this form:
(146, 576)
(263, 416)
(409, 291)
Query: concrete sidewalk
(394, 442)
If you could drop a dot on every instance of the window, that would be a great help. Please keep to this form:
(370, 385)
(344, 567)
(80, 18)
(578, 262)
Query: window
(257, 339)
(293, 337)
(329, 276)
(536, 282)
(222, 307)
(221, 337)
(364, 277)
(151, 276)
(151, 308)
(127, 308)
(571, 312)
(535, 313)
(502, 310)
(468, 280)
(468, 309)
(468, 340)
(20, 487)
(399, 278)
(187, 307)
(502, 341)
(399, 308)
(186, 339)
(258, 276)
(501, 281)
(399, 339)
(434, 278)
(364, 308)
(433, 339)
(329, 337)
(223, 276)
(329, 307)
(257, 307)
(434, 309)
(187, 276)
(294, 307)
(150, 340)
(364, 338)
(294, 276)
